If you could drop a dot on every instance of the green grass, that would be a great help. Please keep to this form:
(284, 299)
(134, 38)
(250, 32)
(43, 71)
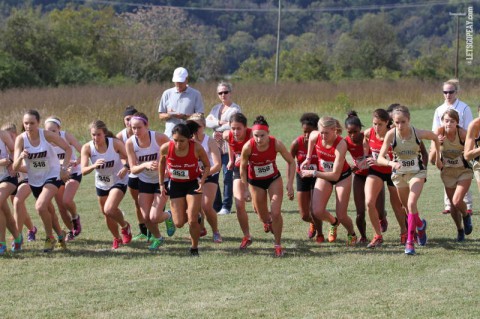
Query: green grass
(311, 281)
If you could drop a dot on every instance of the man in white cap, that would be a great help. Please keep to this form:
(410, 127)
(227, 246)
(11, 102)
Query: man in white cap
(179, 102)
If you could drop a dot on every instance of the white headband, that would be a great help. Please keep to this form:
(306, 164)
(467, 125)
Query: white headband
(54, 121)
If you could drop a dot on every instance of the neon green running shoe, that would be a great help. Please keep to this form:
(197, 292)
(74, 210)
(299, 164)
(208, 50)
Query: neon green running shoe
(170, 225)
(139, 237)
(156, 242)
(49, 245)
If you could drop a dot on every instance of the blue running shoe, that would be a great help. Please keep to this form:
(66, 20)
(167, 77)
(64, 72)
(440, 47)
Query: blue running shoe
(3, 248)
(170, 225)
(460, 235)
(422, 234)
(410, 248)
(467, 224)
(31, 234)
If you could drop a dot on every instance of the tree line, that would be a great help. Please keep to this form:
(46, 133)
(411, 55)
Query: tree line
(50, 43)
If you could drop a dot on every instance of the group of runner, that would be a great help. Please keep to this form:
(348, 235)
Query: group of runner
(183, 170)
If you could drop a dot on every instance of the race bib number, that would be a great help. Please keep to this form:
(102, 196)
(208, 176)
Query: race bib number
(409, 165)
(39, 165)
(105, 181)
(360, 162)
(263, 171)
(453, 162)
(312, 167)
(327, 166)
(179, 173)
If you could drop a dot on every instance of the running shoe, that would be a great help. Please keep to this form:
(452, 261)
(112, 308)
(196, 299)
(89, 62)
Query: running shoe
(3, 248)
(126, 234)
(223, 211)
(279, 252)
(170, 225)
(446, 211)
(156, 242)
(203, 232)
(403, 238)
(77, 226)
(17, 245)
(217, 238)
(362, 240)
(332, 234)
(31, 234)
(267, 227)
(422, 234)
(351, 240)
(467, 224)
(140, 236)
(70, 236)
(410, 248)
(312, 231)
(376, 242)
(194, 252)
(384, 224)
(469, 212)
(61, 241)
(320, 239)
(246, 241)
(116, 243)
(49, 245)
(460, 235)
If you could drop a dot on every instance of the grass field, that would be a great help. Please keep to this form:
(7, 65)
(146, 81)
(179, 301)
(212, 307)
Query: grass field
(311, 281)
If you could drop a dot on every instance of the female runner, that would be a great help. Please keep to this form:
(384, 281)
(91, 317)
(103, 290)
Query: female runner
(19, 196)
(408, 171)
(305, 186)
(236, 137)
(66, 193)
(265, 182)
(472, 146)
(142, 152)
(377, 176)
(124, 135)
(211, 183)
(34, 146)
(105, 155)
(8, 184)
(456, 173)
(354, 140)
(181, 157)
(334, 171)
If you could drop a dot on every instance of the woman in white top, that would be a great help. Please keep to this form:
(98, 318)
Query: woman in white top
(66, 193)
(143, 155)
(8, 184)
(106, 155)
(124, 135)
(34, 146)
(219, 121)
(211, 183)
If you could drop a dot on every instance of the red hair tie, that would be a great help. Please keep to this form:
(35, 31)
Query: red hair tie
(257, 127)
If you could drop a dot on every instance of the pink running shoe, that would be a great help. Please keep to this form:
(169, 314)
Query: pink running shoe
(126, 234)
(116, 243)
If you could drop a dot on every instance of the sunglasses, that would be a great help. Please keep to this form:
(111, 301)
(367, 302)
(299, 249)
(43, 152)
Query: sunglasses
(223, 93)
(449, 92)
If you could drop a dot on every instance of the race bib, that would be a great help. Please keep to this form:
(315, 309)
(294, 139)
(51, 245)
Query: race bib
(375, 155)
(360, 162)
(453, 162)
(263, 171)
(312, 167)
(409, 165)
(327, 166)
(40, 164)
(105, 181)
(179, 173)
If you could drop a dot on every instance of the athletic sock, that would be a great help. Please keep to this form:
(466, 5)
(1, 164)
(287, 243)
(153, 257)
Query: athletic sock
(336, 222)
(75, 218)
(143, 229)
(411, 227)
(18, 240)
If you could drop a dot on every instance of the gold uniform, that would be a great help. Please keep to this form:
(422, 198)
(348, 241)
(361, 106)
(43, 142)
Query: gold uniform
(455, 167)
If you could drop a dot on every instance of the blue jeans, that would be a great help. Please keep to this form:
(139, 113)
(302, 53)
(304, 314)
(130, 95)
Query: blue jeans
(227, 188)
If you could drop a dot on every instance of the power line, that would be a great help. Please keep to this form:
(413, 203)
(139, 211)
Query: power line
(326, 9)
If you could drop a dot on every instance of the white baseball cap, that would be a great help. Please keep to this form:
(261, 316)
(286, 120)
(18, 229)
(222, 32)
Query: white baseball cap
(180, 75)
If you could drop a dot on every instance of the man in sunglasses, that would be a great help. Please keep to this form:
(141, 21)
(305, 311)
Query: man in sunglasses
(450, 89)
(179, 102)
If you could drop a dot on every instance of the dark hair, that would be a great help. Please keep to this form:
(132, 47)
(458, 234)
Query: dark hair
(193, 126)
(34, 113)
(183, 130)
(310, 119)
(352, 119)
(100, 125)
(239, 118)
(392, 107)
(142, 115)
(383, 115)
(130, 110)
(260, 120)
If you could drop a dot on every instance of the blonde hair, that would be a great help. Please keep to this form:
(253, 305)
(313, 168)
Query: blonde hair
(402, 109)
(328, 121)
(10, 126)
(453, 82)
(198, 117)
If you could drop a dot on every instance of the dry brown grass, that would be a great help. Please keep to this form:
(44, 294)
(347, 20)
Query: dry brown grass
(78, 106)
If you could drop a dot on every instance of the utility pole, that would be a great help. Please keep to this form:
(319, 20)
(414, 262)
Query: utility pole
(277, 59)
(457, 15)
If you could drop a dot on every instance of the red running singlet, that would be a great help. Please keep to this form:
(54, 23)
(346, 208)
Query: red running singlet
(302, 155)
(182, 169)
(326, 156)
(262, 165)
(375, 145)
(236, 146)
(357, 155)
